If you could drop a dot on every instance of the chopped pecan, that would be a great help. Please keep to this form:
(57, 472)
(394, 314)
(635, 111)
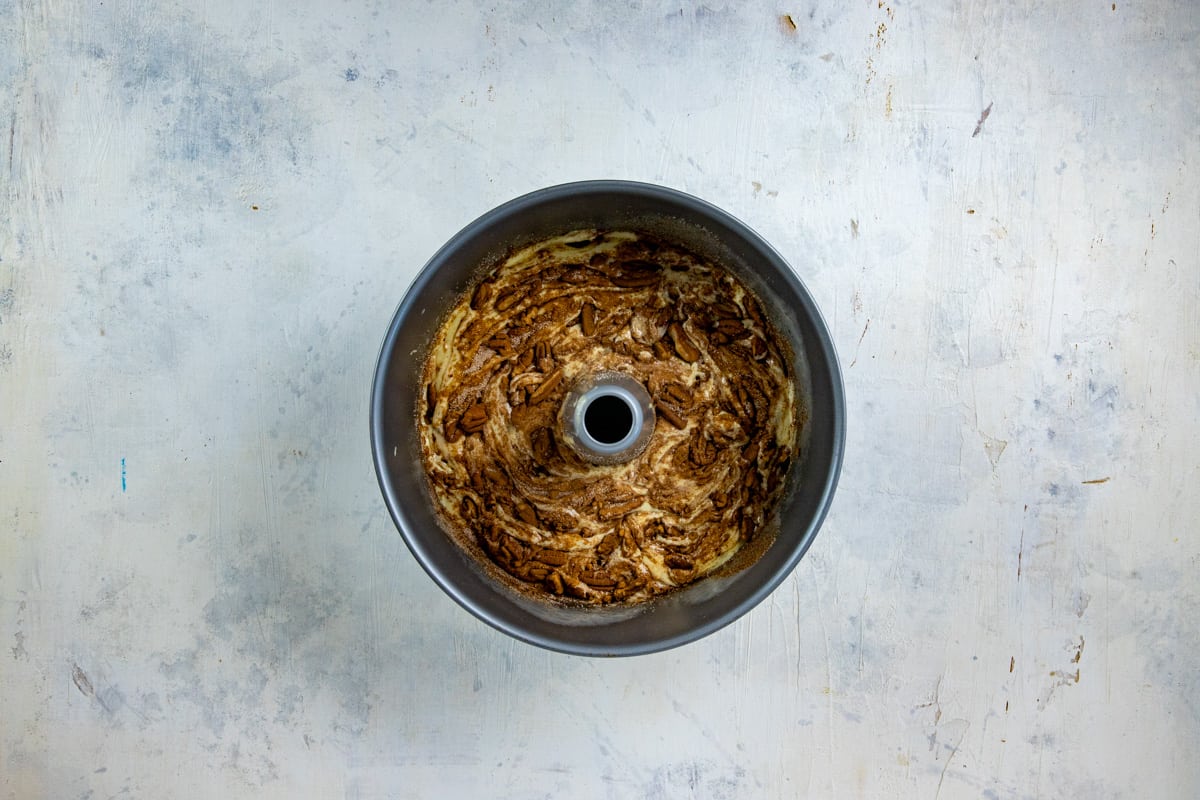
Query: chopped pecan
(542, 442)
(524, 511)
(619, 509)
(607, 545)
(661, 349)
(587, 319)
(554, 583)
(542, 357)
(546, 388)
(670, 415)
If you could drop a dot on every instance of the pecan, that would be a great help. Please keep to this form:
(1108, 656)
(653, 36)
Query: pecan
(553, 558)
(746, 401)
(547, 386)
(587, 319)
(430, 401)
(634, 281)
(598, 579)
(573, 586)
(500, 344)
(509, 298)
(758, 348)
(619, 509)
(452, 432)
(746, 528)
(683, 345)
(607, 545)
(526, 359)
(733, 328)
(701, 451)
(661, 349)
(542, 442)
(670, 415)
(538, 573)
(482, 294)
(726, 309)
(750, 452)
(542, 356)
(719, 500)
(469, 508)
(754, 311)
(749, 477)
(513, 548)
(473, 419)
(554, 583)
(678, 562)
(524, 512)
(678, 393)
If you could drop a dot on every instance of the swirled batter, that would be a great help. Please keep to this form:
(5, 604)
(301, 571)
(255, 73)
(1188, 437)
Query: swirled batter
(504, 481)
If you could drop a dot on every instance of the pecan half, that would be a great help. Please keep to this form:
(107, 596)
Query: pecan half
(683, 345)
(510, 298)
(473, 419)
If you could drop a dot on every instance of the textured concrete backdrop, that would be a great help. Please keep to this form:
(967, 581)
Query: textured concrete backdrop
(208, 212)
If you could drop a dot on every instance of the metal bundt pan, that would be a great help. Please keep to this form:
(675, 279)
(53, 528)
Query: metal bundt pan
(687, 614)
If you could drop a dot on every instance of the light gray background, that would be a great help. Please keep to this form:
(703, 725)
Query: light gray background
(210, 211)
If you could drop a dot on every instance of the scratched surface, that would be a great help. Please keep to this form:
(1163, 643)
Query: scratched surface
(208, 213)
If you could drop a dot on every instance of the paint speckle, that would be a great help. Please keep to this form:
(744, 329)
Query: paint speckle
(987, 112)
(124, 485)
(82, 682)
(351, 74)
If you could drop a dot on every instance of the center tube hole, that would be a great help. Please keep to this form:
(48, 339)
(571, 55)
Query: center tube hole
(608, 419)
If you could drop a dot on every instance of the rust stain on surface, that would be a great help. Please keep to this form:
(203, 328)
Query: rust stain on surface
(787, 23)
(1095, 481)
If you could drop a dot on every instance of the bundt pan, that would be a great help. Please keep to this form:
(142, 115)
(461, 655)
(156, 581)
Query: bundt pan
(688, 613)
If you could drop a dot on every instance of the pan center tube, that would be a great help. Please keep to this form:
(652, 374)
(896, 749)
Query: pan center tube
(607, 418)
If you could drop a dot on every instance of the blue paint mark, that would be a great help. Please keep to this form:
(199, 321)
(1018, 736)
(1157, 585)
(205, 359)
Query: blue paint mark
(351, 74)
(122, 474)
